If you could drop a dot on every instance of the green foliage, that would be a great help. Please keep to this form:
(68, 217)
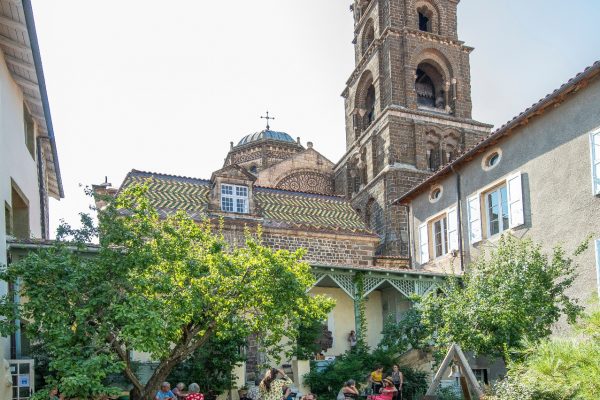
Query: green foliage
(408, 333)
(361, 314)
(357, 365)
(513, 295)
(307, 342)
(163, 286)
(212, 365)
(448, 393)
(558, 369)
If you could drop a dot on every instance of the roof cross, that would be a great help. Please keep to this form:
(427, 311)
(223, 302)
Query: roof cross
(267, 118)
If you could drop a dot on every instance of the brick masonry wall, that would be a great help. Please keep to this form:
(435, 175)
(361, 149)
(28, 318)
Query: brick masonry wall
(321, 248)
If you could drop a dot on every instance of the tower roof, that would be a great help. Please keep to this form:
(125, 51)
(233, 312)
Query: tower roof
(266, 134)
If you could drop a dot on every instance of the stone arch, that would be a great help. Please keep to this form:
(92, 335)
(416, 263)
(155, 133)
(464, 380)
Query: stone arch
(368, 36)
(433, 74)
(310, 181)
(364, 103)
(428, 9)
(451, 144)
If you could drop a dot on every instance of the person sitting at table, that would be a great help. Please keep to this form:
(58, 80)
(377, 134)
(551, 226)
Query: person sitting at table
(350, 391)
(376, 379)
(194, 393)
(178, 391)
(387, 393)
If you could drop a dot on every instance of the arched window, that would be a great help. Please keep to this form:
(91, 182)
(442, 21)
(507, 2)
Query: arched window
(441, 150)
(370, 106)
(368, 36)
(429, 87)
(364, 103)
(426, 17)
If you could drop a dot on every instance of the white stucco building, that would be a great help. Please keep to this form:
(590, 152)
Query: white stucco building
(29, 171)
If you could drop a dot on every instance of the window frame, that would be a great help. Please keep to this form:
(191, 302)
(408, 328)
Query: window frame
(443, 220)
(595, 161)
(485, 202)
(235, 197)
(598, 265)
(29, 131)
(427, 238)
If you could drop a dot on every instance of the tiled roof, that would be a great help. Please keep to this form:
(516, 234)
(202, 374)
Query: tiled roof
(277, 208)
(572, 86)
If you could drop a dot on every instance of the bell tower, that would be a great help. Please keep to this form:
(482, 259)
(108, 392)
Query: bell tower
(407, 105)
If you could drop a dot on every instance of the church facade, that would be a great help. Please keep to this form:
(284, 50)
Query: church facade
(408, 112)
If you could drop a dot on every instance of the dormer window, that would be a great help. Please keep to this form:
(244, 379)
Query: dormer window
(234, 198)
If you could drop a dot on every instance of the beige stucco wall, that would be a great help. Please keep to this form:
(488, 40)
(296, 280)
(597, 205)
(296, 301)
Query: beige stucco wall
(341, 320)
(374, 319)
(17, 164)
(552, 152)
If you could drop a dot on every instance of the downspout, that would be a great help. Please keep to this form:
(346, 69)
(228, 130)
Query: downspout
(459, 213)
(409, 227)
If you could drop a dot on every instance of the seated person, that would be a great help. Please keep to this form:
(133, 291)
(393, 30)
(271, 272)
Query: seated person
(388, 391)
(178, 391)
(165, 392)
(350, 391)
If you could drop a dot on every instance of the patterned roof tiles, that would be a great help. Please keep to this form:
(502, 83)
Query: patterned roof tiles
(278, 208)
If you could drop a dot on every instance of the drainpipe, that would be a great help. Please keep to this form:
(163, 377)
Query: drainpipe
(409, 227)
(459, 213)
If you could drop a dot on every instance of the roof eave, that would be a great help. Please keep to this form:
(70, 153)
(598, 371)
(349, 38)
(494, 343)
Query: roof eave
(37, 59)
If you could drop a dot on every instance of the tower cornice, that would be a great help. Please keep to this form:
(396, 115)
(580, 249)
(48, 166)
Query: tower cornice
(397, 32)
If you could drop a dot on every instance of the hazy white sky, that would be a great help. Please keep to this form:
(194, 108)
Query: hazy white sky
(165, 85)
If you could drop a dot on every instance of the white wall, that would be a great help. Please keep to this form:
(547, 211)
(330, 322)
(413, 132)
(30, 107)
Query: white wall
(16, 163)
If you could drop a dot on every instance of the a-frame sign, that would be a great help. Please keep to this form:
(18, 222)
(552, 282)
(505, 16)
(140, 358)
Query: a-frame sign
(467, 378)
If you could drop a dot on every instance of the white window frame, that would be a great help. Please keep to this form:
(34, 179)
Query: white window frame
(595, 160)
(443, 220)
(486, 205)
(598, 266)
(474, 218)
(424, 243)
(235, 197)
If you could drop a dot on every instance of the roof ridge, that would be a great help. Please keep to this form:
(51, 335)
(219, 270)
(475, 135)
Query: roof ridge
(170, 176)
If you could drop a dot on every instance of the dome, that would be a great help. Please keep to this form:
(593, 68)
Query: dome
(266, 135)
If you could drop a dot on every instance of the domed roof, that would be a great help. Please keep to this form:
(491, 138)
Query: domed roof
(266, 134)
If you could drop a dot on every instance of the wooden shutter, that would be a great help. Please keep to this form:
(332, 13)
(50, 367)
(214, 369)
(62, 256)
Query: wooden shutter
(515, 200)
(595, 146)
(424, 243)
(474, 207)
(452, 229)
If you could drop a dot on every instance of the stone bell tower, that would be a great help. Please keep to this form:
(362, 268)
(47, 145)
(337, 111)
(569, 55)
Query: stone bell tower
(408, 108)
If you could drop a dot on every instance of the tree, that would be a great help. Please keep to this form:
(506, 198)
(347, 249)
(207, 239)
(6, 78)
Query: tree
(160, 285)
(511, 296)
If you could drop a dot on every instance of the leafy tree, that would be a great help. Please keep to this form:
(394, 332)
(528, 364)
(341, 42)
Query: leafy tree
(357, 365)
(511, 296)
(408, 333)
(161, 285)
(212, 365)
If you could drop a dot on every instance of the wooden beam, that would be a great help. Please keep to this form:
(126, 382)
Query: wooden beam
(19, 63)
(32, 99)
(26, 82)
(468, 371)
(13, 44)
(438, 376)
(11, 23)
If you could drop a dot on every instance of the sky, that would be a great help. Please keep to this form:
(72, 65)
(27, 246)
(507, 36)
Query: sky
(165, 86)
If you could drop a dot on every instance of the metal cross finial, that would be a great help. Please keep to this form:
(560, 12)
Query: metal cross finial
(267, 118)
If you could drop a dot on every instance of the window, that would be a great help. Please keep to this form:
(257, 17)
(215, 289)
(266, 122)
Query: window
(234, 198)
(435, 194)
(424, 22)
(502, 209)
(481, 374)
(29, 127)
(598, 264)
(20, 214)
(440, 238)
(442, 233)
(595, 147)
(497, 211)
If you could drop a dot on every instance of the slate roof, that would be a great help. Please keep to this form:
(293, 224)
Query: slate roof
(265, 135)
(276, 208)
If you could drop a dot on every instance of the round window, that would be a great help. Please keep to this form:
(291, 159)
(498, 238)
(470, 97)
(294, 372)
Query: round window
(493, 160)
(435, 194)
